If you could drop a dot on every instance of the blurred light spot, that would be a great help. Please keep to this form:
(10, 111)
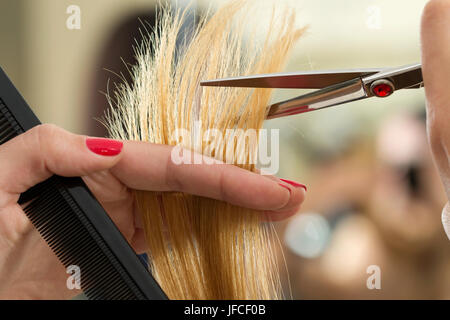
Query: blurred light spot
(307, 235)
(401, 140)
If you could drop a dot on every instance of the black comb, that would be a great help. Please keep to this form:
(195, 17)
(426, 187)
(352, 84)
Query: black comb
(74, 224)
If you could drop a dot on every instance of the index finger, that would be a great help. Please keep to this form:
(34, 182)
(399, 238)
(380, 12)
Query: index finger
(147, 166)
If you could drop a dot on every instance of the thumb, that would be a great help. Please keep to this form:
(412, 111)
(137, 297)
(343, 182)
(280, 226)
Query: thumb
(37, 154)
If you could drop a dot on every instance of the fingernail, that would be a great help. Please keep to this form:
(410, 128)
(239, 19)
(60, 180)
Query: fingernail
(104, 147)
(285, 187)
(295, 184)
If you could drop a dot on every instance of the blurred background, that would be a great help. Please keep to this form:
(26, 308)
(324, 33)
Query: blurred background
(370, 227)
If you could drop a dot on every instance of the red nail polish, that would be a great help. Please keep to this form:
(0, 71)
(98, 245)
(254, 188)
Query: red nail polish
(104, 147)
(295, 184)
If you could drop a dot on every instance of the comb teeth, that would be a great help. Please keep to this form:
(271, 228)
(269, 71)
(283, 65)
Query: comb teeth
(70, 236)
(8, 126)
(73, 223)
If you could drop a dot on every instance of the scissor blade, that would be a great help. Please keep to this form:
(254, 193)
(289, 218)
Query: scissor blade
(348, 91)
(295, 80)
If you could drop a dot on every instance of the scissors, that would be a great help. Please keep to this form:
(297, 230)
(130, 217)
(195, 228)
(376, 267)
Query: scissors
(335, 87)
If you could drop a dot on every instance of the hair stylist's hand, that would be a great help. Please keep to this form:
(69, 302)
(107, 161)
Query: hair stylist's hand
(436, 73)
(28, 269)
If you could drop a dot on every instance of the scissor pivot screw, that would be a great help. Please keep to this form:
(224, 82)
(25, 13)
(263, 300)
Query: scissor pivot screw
(382, 88)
